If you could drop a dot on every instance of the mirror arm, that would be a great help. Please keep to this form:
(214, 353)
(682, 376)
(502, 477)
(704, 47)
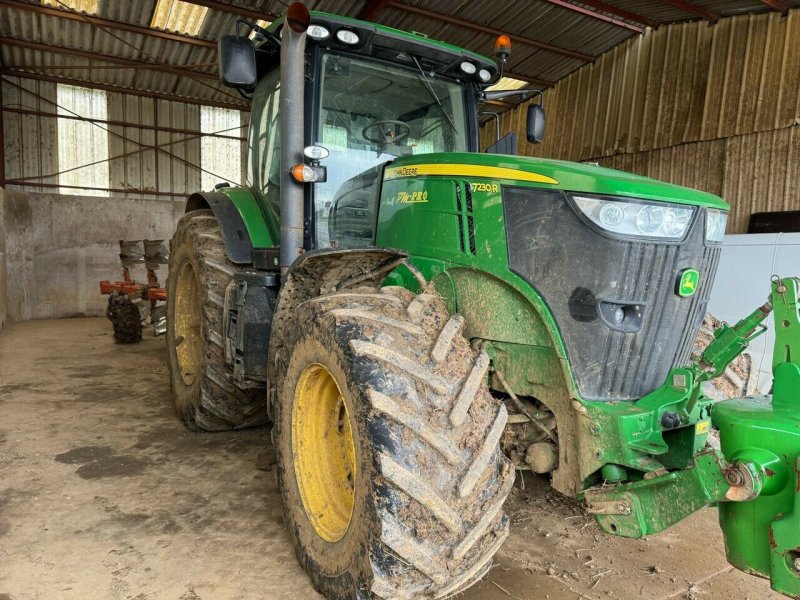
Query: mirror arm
(501, 64)
(497, 95)
(260, 30)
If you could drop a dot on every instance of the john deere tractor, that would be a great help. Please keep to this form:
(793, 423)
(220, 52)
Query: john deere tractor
(417, 319)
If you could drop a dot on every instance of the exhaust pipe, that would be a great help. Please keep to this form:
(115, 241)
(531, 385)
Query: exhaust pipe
(292, 110)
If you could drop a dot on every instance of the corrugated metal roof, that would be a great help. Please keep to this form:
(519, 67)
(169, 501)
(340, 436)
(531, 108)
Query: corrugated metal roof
(175, 15)
(663, 12)
(83, 6)
(536, 19)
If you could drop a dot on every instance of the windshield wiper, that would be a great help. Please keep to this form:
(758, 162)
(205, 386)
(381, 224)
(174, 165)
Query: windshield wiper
(433, 94)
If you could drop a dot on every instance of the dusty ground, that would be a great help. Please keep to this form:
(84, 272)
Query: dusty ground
(103, 494)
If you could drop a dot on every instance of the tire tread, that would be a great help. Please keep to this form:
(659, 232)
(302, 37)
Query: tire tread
(444, 486)
(220, 404)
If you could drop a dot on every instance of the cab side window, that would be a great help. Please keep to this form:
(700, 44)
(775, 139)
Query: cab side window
(264, 164)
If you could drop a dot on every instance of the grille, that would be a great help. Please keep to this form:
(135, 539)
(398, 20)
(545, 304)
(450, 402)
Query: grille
(470, 219)
(460, 216)
(565, 259)
(629, 358)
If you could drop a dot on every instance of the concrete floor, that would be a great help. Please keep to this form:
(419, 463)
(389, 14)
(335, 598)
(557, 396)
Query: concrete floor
(103, 494)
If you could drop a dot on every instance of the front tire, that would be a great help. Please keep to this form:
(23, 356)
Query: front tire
(199, 272)
(404, 499)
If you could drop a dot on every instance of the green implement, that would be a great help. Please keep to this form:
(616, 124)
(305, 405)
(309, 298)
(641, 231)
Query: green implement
(753, 478)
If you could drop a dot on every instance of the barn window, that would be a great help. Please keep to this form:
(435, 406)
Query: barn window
(220, 158)
(82, 145)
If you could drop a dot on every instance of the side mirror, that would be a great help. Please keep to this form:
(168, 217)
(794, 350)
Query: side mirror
(237, 62)
(534, 129)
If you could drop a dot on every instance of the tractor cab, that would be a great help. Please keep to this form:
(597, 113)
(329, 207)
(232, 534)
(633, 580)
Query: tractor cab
(371, 112)
(372, 94)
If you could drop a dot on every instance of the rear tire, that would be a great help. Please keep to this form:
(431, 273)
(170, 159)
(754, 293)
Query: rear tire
(430, 479)
(199, 272)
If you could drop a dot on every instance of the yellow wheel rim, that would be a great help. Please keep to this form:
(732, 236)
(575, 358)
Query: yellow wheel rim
(324, 454)
(188, 336)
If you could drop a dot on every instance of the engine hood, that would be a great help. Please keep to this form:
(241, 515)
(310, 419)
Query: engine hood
(552, 174)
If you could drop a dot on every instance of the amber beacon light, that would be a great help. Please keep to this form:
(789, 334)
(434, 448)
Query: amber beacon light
(502, 47)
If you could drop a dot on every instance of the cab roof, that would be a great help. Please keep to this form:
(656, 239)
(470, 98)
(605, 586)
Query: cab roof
(396, 46)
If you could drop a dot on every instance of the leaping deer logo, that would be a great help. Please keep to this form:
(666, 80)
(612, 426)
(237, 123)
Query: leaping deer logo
(688, 282)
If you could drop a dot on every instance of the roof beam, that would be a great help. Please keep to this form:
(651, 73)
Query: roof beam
(776, 5)
(372, 9)
(234, 10)
(124, 62)
(424, 12)
(693, 9)
(105, 23)
(115, 89)
(620, 12)
(596, 15)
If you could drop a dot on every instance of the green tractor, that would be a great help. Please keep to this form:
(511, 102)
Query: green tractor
(417, 319)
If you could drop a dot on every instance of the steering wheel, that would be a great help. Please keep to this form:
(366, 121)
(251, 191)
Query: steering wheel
(386, 132)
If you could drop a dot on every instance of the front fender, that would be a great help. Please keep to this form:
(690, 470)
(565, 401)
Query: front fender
(320, 272)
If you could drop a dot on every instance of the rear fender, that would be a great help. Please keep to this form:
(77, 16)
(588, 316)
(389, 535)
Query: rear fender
(240, 220)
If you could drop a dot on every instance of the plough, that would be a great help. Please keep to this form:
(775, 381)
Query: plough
(132, 303)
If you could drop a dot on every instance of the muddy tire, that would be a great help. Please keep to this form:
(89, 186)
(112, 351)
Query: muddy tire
(199, 272)
(429, 482)
(125, 319)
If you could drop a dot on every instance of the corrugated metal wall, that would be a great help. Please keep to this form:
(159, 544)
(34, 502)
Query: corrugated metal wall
(140, 168)
(31, 142)
(711, 107)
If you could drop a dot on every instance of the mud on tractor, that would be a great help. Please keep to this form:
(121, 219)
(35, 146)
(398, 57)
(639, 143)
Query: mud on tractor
(410, 313)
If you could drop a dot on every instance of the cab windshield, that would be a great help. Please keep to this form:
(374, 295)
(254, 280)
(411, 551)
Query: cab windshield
(370, 113)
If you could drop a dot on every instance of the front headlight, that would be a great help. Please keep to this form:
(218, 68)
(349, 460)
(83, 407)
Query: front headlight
(637, 218)
(716, 220)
